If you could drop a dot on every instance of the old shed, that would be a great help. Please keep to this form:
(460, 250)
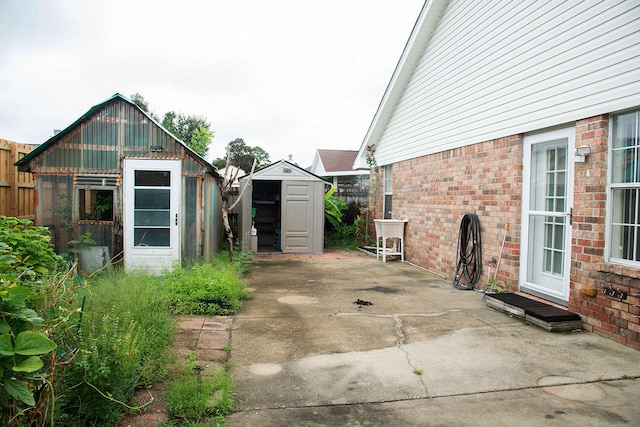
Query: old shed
(285, 205)
(140, 193)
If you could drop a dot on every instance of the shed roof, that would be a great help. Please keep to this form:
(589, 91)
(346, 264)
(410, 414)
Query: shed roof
(284, 170)
(24, 163)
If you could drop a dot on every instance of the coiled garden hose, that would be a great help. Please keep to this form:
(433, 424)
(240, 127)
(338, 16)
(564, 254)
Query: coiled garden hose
(469, 256)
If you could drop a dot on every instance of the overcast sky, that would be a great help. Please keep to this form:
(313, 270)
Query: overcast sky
(290, 76)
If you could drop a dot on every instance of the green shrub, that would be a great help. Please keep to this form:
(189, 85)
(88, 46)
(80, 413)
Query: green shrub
(210, 289)
(28, 246)
(333, 208)
(124, 338)
(344, 236)
(26, 262)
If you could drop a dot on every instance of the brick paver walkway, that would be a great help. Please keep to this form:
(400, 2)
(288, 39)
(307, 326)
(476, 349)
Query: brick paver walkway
(332, 254)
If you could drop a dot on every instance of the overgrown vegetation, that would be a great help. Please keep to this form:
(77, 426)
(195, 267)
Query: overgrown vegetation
(190, 393)
(72, 351)
(207, 288)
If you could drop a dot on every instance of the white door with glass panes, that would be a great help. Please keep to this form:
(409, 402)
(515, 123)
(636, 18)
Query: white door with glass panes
(547, 210)
(151, 214)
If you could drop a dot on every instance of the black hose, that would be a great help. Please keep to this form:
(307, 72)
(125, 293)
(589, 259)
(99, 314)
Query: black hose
(469, 257)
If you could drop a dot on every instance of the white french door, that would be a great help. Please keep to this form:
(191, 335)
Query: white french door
(547, 209)
(151, 214)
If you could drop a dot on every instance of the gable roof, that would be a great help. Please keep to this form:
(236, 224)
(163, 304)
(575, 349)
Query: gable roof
(283, 170)
(23, 163)
(480, 71)
(335, 163)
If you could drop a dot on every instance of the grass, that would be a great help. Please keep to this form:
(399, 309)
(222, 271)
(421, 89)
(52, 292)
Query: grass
(197, 397)
(146, 302)
(129, 329)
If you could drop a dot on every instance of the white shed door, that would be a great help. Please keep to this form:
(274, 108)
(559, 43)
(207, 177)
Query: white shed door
(297, 216)
(151, 206)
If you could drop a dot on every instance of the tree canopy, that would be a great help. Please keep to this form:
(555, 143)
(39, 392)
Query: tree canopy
(194, 131)
(242, 155)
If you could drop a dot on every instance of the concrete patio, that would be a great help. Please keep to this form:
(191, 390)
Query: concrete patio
(343, 339)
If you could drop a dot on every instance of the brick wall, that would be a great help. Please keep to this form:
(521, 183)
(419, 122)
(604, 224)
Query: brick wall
(434, 192)
(613, 317)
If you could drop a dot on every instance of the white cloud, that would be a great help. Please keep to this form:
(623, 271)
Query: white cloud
(289, 76)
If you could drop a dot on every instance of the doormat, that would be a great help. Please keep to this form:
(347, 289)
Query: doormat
(538, 313)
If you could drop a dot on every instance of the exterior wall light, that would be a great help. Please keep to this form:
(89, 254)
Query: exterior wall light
(581, 153)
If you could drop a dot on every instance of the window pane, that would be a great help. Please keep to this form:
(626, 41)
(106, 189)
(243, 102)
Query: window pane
(625, 130)
(561, 160)
(560, 180)
(151, 237)
(558, 242)
(388, 178)
(557, 262)
(152, 218)
(387, 206)
(152, 178)
(624, 227)
(152, 199)
(551, 184)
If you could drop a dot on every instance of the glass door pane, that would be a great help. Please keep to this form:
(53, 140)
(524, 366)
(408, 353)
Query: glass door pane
(152, 208)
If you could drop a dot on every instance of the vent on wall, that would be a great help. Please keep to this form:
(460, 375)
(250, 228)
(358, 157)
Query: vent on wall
(97, 180)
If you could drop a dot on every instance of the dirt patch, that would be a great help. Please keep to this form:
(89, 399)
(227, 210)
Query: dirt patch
(152, 415)
(362, 303)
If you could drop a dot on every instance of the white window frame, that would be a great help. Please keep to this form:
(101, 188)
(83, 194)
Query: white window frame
(387, 189)
(611, 186)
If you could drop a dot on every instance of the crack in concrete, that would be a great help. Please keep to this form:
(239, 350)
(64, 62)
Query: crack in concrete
(401, 337)
(444, 396)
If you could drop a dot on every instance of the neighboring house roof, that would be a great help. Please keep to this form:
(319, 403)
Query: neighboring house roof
(335, 163)
(477, 71)
(23, 163)
(227, 173)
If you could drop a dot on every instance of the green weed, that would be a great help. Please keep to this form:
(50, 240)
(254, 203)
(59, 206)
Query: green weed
(212, 289)
(196, 398)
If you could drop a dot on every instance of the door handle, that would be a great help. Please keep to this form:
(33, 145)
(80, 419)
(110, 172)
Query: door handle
(570, 216)
(176, 219)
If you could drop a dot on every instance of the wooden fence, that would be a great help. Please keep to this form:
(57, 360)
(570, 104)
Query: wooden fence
(16, 188)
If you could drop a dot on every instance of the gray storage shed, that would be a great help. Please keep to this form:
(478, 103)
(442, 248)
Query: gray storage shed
(285, 206)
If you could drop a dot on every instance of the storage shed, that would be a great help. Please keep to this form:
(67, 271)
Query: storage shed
(139, 192)
(285, 204)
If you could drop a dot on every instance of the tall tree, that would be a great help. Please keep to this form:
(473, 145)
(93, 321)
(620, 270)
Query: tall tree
(195, 131)
(242, 156)
(185, 127)
(200, 140)
(139, 100)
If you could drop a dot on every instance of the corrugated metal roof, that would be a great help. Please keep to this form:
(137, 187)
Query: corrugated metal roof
(24, 163)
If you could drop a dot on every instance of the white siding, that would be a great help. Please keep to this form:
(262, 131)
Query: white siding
(493, 69)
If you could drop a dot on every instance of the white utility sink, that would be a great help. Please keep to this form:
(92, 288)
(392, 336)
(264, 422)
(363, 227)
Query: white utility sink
(390, 229)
